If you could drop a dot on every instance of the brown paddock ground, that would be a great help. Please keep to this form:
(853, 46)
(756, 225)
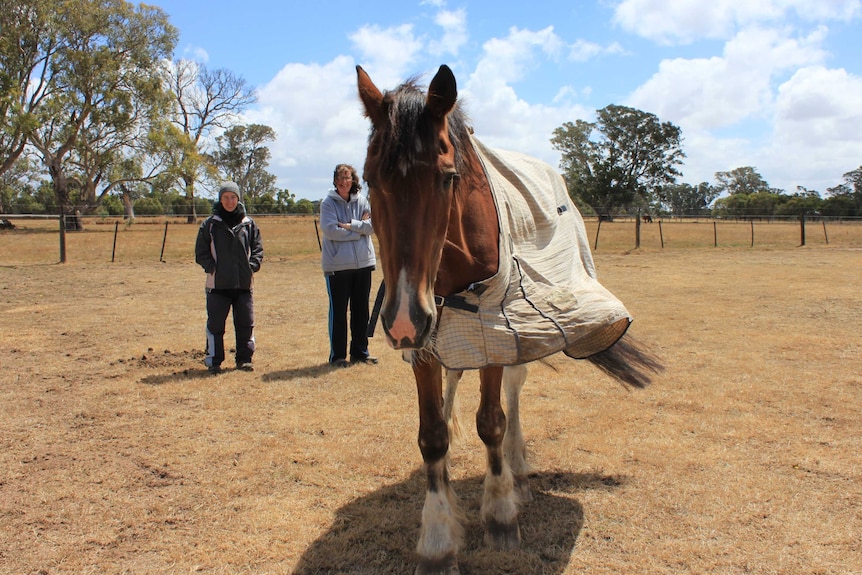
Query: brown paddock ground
(120, 455)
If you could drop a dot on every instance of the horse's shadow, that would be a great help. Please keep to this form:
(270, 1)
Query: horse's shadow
(377, 533)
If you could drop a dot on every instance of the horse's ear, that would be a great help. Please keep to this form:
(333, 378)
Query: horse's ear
(442, 93)
(371, 97)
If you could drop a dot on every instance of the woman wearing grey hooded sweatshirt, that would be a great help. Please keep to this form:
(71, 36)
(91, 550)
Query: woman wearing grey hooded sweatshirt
(347, 259)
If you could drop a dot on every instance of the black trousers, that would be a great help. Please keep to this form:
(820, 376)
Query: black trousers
(219, 304)
(348, 288)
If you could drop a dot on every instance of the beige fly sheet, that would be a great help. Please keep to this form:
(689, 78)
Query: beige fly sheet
(545, 297)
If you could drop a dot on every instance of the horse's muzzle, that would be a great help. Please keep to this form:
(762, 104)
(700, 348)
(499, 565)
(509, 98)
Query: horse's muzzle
(407, 331)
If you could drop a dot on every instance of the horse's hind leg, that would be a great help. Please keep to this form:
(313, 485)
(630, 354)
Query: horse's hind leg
(499, 502)
(450, 402)
(514, 446)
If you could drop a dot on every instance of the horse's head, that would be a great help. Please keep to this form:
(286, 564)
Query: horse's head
(411, 170)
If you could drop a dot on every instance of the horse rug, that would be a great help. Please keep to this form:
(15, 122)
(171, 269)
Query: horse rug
(545, 297)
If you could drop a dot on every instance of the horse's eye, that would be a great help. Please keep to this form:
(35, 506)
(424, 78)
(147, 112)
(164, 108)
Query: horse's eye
(449, 179)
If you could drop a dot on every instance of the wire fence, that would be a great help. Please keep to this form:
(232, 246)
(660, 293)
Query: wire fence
(42, 240)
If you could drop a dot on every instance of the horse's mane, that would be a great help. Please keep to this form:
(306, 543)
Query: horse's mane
(407, 127)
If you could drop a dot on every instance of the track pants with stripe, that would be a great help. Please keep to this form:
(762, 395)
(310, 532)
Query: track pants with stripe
(348, 288)
(219, 304)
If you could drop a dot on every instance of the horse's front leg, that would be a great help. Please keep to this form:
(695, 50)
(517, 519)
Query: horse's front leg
(441, 533)
(499, 502)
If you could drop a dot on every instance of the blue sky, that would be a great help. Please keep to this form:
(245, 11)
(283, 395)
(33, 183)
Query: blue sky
(773, 84)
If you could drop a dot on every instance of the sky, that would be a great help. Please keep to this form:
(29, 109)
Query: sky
(771, 84)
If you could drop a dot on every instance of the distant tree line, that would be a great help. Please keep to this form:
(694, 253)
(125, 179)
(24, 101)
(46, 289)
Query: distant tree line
(96, 116)
(627, 162)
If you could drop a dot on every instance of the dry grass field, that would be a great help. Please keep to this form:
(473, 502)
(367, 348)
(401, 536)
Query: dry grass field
(120, 454)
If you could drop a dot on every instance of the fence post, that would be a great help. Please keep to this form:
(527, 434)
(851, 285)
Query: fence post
(714, 234)
(62, 219)
(752, 233)
(825, 235)
(114, 249)
(638, 229)
(660, 234)
(164, 239)
(598, 229)
(802, 229)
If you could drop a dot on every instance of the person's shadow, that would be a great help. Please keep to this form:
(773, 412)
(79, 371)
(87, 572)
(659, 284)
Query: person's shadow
(376, 534)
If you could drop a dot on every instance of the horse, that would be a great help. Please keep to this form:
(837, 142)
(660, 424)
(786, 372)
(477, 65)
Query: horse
(440, 237)
(647, 219)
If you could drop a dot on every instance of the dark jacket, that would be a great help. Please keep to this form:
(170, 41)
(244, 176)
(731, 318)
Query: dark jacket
(229, 255)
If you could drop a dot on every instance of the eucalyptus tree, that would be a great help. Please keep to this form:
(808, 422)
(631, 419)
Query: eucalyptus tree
(241, 156)
(28, 45)
(621, 159)
(845, 199)
(688, 200)
(743, 180)
(205, 103)
(103, 81)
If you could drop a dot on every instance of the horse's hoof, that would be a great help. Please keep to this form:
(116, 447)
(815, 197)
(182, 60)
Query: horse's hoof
(503, 536)
(447, 565)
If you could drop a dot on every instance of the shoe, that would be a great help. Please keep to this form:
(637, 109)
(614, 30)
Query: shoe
(245, 366)
(214, 369)
(339, 363)
(368, 359)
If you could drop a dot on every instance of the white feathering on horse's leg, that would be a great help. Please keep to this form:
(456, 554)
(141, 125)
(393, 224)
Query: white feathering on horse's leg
(499, 509)
(442, 532)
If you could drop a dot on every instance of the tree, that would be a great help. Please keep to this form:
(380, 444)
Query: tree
(28, 43)
(744, 180)
(688, 200)
(242, 157)
(204, 101)
(102, 74)
(845, 199)
(18, 186)
(803, 202)
(623, 158)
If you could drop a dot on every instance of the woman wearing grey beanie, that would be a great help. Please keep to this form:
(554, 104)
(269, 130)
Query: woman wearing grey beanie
(230, 251)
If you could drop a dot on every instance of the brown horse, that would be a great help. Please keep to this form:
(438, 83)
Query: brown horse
(439, 234)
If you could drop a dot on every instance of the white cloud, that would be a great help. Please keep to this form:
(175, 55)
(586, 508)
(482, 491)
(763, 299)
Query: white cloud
(390, 50)
(818, 127)
(317, 117)
(709, 93)
(742, 89)
(684, 21)
(500, 117)
(454, 25)
(507, 60)
(582, 50)
(196, 53)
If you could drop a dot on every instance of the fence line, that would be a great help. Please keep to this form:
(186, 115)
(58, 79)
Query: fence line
(35, 239)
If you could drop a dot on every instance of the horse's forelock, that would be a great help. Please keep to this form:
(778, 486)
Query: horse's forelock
(398, 143)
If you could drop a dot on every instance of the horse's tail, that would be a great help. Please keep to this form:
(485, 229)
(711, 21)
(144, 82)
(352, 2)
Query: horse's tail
(629, 362)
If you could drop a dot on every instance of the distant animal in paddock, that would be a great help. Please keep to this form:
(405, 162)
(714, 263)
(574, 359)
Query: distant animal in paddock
(6, 224)
(647, 219)
(486, 264)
